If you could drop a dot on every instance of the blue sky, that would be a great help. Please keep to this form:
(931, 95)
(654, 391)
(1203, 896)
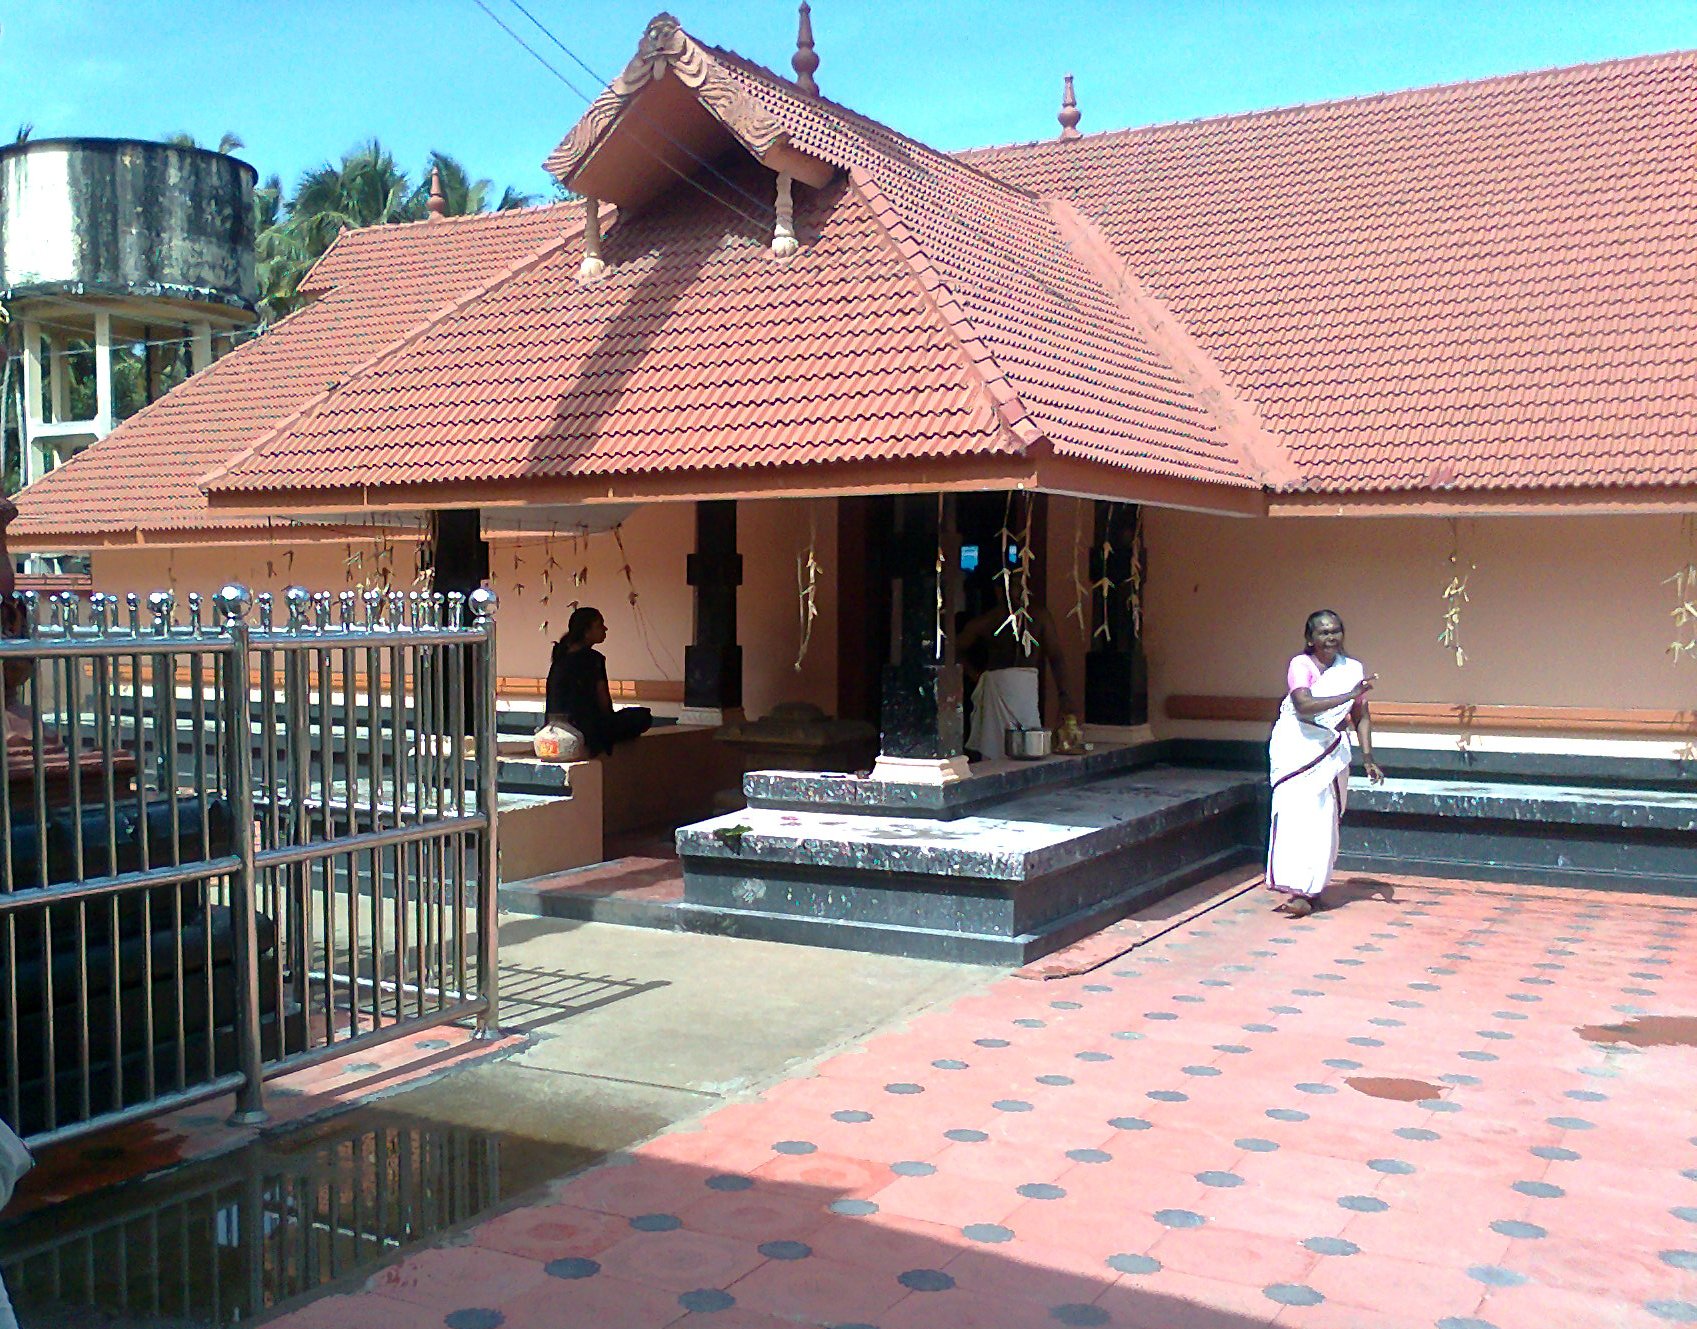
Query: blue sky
(301, 81)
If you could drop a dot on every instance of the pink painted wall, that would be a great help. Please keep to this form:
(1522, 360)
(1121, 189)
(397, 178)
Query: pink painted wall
(260, 567)
(645, 641)
(1563, 611)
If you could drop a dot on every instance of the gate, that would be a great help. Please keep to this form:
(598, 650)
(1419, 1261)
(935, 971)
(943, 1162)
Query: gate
(238, 841)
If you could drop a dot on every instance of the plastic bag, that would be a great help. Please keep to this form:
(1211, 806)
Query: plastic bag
(559, 741)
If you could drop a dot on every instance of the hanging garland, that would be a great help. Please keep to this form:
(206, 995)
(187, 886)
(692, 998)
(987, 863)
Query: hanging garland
(1018, 621)
(807, 571)
(1454, 597)
(1684, 583)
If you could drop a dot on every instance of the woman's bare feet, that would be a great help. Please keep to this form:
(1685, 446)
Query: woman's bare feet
(1296, 907)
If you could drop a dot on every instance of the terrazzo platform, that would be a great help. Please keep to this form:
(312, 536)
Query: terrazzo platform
(1013, 879)
(1517, 831)
(1433, 1105)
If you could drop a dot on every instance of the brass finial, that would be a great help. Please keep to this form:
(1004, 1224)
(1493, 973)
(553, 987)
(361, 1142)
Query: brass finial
(438, 200)
(1069, 116)
(805, 60)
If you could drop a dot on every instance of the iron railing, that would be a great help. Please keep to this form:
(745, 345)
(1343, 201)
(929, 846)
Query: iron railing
(233, 847)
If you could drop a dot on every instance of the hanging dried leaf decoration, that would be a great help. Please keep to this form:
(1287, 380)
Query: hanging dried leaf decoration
(1017, 554)
(1080, 587)
(1134, 577)
(807, 571)
(1454, 597)
(1684, 583)
(624, 564)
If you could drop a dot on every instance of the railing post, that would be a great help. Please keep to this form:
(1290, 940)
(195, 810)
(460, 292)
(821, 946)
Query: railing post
(233, 604)
(483, 604)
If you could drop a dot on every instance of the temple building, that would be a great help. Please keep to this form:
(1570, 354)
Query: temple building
(793, 397)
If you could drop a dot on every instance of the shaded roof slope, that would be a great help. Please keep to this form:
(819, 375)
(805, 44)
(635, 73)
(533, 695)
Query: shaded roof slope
(1484, 285)
(376, 284)
(695, 350)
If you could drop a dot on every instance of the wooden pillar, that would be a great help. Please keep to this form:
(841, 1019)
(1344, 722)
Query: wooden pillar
(1116, 674)
(713, 661)
(921, 731)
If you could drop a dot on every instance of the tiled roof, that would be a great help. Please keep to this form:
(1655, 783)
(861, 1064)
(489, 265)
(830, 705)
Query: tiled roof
(1479, 286)
(376, 284)
(1054, 351)
(696, 350)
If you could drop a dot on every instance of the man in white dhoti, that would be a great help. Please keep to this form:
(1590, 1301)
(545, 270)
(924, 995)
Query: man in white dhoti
(1309, 755)
(1008, 693)
(14, 1162)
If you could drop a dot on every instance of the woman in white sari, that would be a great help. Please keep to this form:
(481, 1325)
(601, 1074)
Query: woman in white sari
(1325, 695)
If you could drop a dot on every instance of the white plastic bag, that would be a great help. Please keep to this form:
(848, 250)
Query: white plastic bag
(559, 741)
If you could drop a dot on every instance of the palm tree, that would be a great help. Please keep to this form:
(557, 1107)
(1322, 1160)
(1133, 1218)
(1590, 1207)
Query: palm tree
(279, 259)
(460, 192)
(227, 142)
(367, 189)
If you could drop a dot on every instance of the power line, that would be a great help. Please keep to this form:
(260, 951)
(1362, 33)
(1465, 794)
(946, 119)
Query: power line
(658, 156)
(576, 59)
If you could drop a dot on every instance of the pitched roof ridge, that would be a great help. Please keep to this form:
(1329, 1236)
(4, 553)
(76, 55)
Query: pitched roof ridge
(389, 230)
(1416, 92)
(425, 325)
(998, 386)
(848, 112)
(1264, 455)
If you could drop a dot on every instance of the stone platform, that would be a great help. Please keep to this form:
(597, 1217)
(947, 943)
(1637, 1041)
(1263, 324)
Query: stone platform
(1000, 882)
(1542, 834)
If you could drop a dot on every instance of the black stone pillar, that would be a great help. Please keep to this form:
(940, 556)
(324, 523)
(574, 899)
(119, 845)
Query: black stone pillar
(713, 661)
(459, 561)
(921, 711)
(459, 555)
(1116, 674)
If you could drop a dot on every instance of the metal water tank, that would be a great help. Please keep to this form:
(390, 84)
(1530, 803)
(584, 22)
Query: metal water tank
(126, 218)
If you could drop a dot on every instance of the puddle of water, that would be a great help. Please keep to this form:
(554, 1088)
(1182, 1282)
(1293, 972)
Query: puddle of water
(1645, 1031)
(222, 1242)
(1391, 1087)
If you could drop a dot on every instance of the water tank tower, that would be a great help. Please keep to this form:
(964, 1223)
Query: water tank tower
(113, 242)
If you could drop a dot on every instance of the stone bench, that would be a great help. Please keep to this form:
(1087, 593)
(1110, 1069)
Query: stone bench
(1515, 830)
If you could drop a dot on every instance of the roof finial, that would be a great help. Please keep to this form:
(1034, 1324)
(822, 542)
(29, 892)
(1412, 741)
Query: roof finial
(1069, 116)
(438, 200)
(806, 59)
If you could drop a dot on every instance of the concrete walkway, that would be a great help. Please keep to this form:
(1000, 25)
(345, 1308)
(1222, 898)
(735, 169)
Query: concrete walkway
(1434, 1105)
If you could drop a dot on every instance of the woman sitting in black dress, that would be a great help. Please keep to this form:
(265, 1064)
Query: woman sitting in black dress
(577, 687)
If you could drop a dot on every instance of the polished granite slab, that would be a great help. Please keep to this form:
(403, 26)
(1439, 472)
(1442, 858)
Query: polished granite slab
(1004, 883)
(989, 782)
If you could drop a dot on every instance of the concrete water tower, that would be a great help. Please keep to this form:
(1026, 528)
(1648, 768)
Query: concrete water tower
(113, 242)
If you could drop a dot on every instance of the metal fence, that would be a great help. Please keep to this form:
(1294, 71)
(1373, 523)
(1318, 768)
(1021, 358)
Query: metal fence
(239, 837)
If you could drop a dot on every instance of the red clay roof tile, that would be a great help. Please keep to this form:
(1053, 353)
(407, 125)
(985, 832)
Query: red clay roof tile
(1497, 277)
(145, 476)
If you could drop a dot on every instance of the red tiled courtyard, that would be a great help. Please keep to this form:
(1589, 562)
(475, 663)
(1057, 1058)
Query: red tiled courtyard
(1197, 1133)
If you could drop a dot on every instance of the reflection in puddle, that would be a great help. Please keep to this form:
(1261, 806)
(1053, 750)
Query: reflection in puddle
(1646, 1031)
(224, 1241)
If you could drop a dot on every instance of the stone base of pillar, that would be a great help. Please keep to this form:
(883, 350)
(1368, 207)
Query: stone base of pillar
(711, 715)
(921, 770)
(1118, 733)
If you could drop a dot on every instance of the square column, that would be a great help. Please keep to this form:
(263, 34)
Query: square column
(1116, 674)
(713, 661)
(921, 730)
